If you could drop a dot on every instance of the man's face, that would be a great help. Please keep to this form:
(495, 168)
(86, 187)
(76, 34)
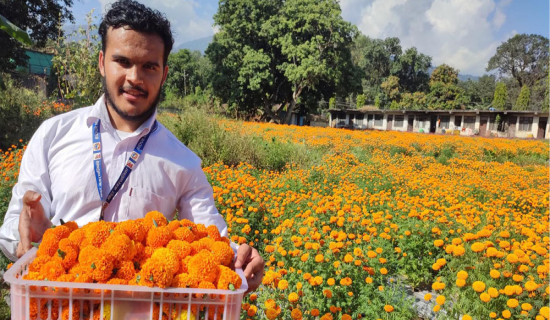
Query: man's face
(133, 72)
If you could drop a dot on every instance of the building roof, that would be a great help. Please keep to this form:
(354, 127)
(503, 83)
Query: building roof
(485, 112)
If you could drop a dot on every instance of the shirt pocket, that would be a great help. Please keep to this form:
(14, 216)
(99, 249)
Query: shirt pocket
(139, 201)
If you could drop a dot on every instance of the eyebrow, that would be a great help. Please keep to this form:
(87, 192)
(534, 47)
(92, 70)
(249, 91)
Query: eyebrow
(118, 56)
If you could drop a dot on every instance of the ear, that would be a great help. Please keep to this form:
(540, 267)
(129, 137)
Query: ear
(101, 63)
(164, 75)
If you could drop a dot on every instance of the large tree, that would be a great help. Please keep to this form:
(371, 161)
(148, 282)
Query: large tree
(412, 70)
(272, 52)
(445, 94)
(40, 18)
(188, 70)
(524, 57)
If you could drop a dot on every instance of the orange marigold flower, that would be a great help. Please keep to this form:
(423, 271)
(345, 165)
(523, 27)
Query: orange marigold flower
(203, 265)
(68, 252)
(97, 232)
(202, 244)
(184, 234)
(296, 314)
(512, 303)
(154, 218)
(134, 229)
(293, 297)
(228, 277)
(158, 237)
(126, 270)
(213, 233)
(462, 275)
(102, 266)
(180, 248)
(388, 308)
(51, 270)
(120, 246)
(440, 300)
(478, 286)
(485, 297)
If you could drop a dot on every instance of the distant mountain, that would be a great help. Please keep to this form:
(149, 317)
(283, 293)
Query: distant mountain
(195, 45)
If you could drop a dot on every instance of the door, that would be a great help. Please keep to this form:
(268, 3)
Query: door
(512, 126)
(390, 122)
(541, 134)
(410, 122)
(483, 126)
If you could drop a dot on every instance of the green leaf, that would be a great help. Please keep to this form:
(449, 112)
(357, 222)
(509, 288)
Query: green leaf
(93, 265)
(155, 223)
(35, 244)
(14, 31)
(231, 287)
(61, 253)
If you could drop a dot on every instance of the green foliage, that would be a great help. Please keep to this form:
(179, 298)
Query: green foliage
(14, 31)
(479, 92)
(500, 100)
(332, 103)
(412, 70)
(17, 105)
(76, 66)
(522, 103)
(524, 57)
(445, 94)
(360, 100)
(188, 71)
(390, 88)
(38, 18)
(274, 52)
(214, 144)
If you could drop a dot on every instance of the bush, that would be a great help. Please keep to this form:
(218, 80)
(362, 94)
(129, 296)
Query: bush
(18, 113)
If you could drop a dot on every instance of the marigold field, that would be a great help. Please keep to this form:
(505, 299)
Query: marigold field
(382, 214)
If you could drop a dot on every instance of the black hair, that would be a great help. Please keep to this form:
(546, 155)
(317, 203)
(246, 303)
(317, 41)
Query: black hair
(136, 16)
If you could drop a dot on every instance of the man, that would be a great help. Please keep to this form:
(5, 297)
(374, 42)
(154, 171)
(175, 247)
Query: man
(72, 167)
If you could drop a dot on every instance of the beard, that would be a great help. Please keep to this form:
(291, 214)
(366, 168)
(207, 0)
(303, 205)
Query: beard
(137, 118)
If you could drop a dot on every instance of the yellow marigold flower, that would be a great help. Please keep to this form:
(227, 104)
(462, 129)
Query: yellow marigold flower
(348, 258)
(506, 314)
(428, 296)
(331, 281)
(531, 285)
(436, 308)
(283, 284)
(477, 247)
(526, 306)
(368, 280)
(485, 297)
(478, 286)
(495, 274)
(438, 243)
(466, 317)
(512, 258)
(384, 271)
(388, 308)
(460, 283)
(512, 303)
(458, 251)
(304, 257)
(492, 315)
(545, 312)
(440, 300)
(493, 292)
(462, 275)
(293, 297)
(319, 258)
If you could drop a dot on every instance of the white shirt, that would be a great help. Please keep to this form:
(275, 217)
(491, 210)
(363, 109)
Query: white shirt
(58, 164)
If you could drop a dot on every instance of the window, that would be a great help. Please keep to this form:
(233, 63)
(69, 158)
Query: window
(378, 120)
(469, 122)
(444, 122)
(359, 120)
(525, 123)
(398, 121)
(458, 121)
(422, 122)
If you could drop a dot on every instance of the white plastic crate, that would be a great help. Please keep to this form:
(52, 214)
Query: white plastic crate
(32, 299)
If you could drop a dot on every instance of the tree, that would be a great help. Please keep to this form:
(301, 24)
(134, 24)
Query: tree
(274, 52)
(522, 103)
(188, 70)
(479, 92)
(500, 100)
(445, 94)
(391, 89)
(39, 17)
(524, 57)
(76, 66)
(412, 70)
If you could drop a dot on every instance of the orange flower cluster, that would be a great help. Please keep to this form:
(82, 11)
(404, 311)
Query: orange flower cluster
(151, 251)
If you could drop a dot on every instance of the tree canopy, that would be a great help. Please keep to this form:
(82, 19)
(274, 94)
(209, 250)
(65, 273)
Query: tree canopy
(39, 17)
(273, 52)
(524, 57)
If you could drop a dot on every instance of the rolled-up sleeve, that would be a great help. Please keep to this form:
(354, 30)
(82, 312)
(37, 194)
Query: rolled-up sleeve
(33, 175)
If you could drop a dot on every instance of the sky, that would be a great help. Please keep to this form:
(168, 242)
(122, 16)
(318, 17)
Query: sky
(461, 33)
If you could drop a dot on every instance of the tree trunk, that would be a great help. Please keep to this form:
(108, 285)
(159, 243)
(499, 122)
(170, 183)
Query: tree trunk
(295, 96)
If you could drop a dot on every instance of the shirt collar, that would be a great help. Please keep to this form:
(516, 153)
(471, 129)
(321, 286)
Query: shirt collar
(99, 111)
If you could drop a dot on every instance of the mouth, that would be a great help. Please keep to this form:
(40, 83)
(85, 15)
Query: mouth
(133, 94)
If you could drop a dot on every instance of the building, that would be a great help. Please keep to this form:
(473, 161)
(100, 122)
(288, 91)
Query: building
(485, 123)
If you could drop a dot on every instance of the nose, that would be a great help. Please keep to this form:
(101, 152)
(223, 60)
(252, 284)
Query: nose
(133, 75)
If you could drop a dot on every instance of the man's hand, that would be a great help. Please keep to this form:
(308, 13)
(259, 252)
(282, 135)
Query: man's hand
(252, 263)
(32, 222)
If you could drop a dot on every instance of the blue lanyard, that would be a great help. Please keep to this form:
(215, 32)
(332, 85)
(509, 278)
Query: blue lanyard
(125, 172)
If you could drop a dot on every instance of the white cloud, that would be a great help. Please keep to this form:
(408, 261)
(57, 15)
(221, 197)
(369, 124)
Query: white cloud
(460, 33)
(187, 21)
